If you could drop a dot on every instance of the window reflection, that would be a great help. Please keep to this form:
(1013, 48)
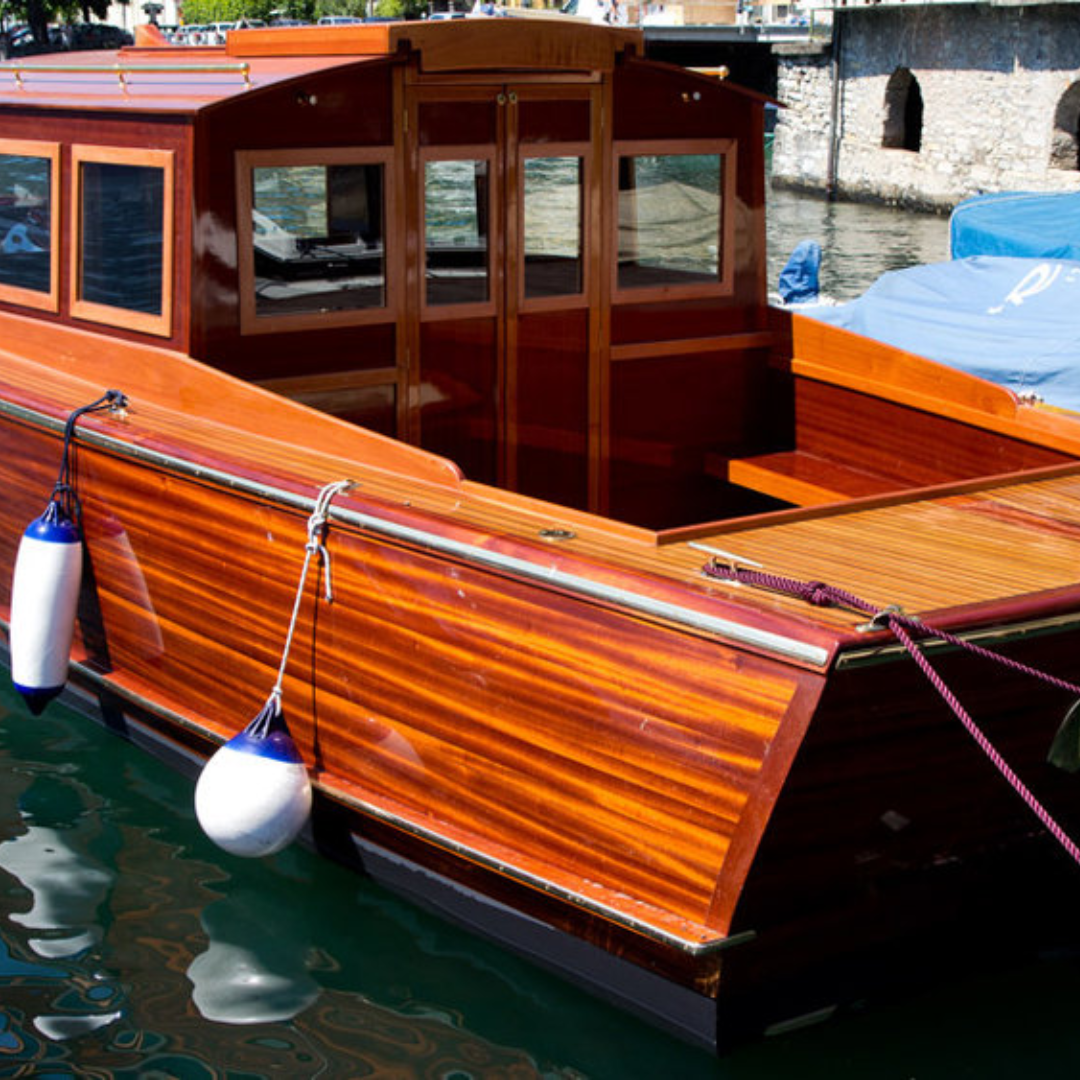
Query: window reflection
(456, 231)
(122, 236)
(26, 222)
(553, 226)
(670, 215)
(318, 237)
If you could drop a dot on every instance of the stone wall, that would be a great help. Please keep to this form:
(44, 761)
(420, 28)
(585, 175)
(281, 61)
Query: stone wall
(998, 113)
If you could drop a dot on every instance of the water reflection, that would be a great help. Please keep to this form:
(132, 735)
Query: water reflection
(249, 974)
(54, 864)
(859, 242)
(135, 948)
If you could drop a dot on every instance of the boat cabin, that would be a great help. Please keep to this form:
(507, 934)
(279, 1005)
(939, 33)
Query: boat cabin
(527, 258)
(526, 249)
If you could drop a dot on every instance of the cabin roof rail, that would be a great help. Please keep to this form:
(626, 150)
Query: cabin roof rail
(122, 71)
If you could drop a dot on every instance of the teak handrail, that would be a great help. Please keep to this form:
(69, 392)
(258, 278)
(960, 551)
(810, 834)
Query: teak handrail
(121, 71)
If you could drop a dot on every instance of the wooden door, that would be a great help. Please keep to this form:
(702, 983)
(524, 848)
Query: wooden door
(503, 284)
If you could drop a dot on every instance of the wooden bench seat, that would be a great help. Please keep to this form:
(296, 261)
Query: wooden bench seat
(806, 479)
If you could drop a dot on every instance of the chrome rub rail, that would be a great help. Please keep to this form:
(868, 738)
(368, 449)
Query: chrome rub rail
(779, 645)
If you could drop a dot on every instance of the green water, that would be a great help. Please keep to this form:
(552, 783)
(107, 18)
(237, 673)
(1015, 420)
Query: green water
(859, 242)
(131, 947)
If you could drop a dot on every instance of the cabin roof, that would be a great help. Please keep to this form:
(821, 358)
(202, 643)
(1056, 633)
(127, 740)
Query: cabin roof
(164, 79)
(149, 80)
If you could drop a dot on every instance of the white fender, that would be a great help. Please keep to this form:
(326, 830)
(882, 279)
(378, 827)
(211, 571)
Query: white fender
(44, 599)
(253, 796)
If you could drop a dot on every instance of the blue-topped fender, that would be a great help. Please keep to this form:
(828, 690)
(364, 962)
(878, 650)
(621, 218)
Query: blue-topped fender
(44, 601)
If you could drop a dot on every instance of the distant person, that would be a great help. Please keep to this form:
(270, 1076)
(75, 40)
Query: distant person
(616, 14)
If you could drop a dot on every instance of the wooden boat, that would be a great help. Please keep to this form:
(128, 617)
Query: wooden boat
(535, 701)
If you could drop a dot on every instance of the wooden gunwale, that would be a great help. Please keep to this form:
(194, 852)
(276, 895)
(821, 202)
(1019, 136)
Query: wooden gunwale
(546, 573)
(493, 526)
(626, 555)
(1000, 633)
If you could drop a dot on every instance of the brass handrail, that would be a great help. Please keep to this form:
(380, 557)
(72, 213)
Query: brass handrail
(122, 71)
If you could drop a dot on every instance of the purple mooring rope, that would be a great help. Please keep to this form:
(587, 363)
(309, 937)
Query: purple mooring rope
(903, 627)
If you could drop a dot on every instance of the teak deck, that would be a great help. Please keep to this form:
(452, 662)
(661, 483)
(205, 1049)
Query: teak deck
(528, 706)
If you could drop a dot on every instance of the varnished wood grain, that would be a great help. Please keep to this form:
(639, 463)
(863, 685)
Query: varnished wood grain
(555, 737)
(553, 708)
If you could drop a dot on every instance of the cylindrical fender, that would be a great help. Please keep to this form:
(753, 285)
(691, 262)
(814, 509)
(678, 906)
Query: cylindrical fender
(44, 600)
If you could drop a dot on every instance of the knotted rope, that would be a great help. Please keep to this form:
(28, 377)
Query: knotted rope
(64, 498)
(271, 712)
(905, 629)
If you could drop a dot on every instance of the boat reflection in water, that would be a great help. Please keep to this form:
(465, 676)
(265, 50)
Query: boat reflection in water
(130, 946)
(248, 974)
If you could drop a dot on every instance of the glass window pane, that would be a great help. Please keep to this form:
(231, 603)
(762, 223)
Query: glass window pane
(670, 214)
(25, 222)
(318, 237)
(553, 262)
(456, 231)
(123, 227)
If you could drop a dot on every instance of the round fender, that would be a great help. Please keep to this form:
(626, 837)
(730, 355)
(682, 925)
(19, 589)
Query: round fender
(253, 796)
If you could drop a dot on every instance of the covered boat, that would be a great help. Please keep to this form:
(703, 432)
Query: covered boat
(604, 657)
(1017, 224)
(1015, 321)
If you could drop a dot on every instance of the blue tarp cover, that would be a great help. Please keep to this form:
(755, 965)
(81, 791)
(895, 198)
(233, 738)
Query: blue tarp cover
(1013, 321)
(1027, 224)
(799, 279)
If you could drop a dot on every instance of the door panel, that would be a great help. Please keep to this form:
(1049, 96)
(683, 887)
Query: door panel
(504, 266)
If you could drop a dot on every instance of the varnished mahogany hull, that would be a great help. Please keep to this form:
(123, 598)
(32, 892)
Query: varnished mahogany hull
(703, 826)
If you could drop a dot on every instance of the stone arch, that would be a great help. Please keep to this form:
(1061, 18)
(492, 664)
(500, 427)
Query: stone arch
(903, 112)
(1065, 139)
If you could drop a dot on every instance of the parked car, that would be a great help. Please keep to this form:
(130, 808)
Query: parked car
(215, 32)
(339, 20)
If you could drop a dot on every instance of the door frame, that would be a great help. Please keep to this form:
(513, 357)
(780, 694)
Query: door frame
(507, 302)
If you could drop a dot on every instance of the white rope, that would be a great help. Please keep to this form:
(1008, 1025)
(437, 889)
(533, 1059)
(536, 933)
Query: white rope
(316, 531)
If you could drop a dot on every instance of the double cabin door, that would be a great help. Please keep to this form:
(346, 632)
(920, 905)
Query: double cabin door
(503, 288)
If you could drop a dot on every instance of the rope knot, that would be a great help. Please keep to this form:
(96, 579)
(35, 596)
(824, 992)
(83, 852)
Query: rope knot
(818, 593)
(316, 530)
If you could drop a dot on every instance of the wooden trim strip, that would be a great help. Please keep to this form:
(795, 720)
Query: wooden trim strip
(868, 502)
(327, 382)
(535, 571)
(649, 350)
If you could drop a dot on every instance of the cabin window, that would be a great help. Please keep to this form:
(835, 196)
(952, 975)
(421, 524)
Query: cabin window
(674, 219)
(553, 226)
(312, 235)
(29, 241)
(456, 231)
(122, 255)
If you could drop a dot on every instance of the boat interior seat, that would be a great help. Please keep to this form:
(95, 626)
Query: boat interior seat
(806, 479)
